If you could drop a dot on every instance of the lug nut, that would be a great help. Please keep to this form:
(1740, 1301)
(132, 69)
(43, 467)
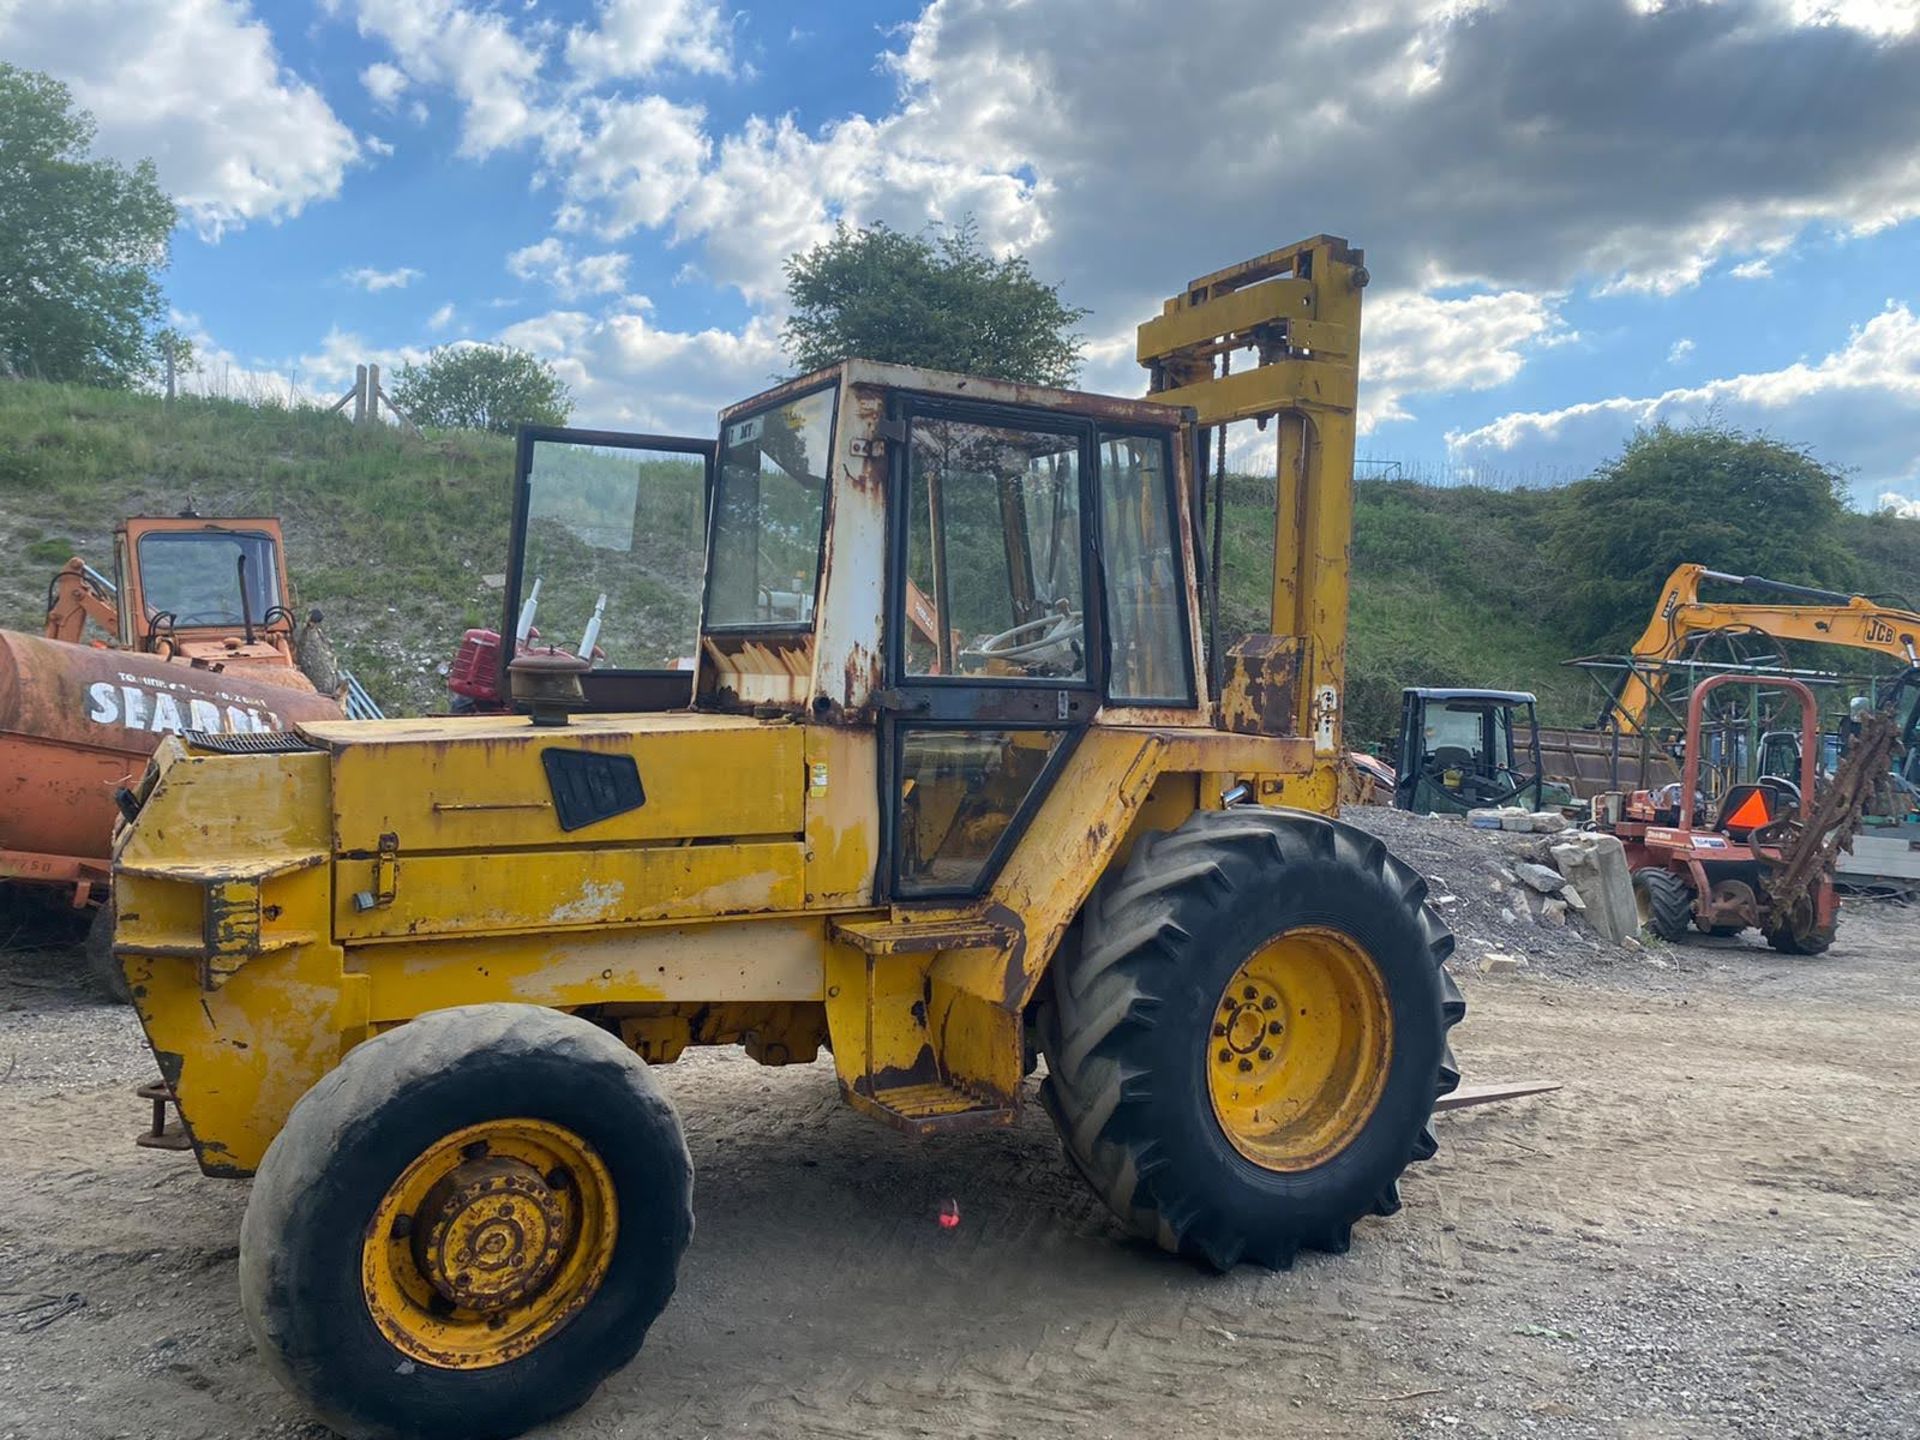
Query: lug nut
(1219, 1030)
(1265, 1053)
(1274, 1027)
(1251, 993)
(1225, 1055)
(1269, 1003)
(1245, 1065)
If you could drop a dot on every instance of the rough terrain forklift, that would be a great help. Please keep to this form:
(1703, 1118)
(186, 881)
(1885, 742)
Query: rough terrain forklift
(955, 780)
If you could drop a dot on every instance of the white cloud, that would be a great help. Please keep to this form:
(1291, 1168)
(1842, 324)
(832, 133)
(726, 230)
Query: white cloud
(1905, 506)
(638, 37)
(376, 146)
(627, 373)
(198, 86)
(571, 277)
(384, 83)
(374, 281)
(441, 318)
(628, 162)
(491, 68)
(1857, 407)
(1419, 344)
(1752, 270)
(1680, 350)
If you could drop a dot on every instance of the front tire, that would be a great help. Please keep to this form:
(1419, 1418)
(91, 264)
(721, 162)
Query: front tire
(466, 1226)
(1665, 904)
(1215, 1123)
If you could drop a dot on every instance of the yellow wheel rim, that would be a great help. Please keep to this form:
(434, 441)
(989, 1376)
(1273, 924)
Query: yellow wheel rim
(488, 1243)
(1298, 1051)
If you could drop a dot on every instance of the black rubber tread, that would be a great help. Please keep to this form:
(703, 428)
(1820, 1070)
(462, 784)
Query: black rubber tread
(1669, 903)
(350, 1136)
(1126, 1013)
(103, 966)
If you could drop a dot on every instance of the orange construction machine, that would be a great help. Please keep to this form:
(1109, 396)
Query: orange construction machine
(197, 632)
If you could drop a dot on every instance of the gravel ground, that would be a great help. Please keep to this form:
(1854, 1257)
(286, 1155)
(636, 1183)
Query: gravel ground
(1713, 1229)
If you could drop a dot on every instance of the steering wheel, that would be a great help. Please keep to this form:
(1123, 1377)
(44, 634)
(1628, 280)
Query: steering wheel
(1032, 636)
(1450, 757)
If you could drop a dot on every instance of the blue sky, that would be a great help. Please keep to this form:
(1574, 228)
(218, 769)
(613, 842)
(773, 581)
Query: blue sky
(1581, 215)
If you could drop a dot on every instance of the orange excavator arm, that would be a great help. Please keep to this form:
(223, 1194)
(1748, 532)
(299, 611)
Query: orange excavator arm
(79, 594)
(1825, 617)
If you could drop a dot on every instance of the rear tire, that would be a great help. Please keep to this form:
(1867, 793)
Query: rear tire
(1136, 1016)
(1799, 935)
(1665, 904)
(317, 1237)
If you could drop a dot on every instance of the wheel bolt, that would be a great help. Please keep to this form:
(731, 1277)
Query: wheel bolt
(1265, 1054)
(1219, 1030)
(1225, 1055)
(1269, 1003)
(1251, 993)
(1245, 1065)
(1273, 1027)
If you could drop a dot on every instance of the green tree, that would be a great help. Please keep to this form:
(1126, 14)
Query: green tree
(82, 241)
(940, 302)
(482, 387)
(1720, 497)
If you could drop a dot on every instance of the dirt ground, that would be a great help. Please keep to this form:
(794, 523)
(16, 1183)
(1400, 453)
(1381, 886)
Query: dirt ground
(1714, 1229)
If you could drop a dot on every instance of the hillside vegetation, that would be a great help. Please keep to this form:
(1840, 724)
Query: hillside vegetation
(393, 537)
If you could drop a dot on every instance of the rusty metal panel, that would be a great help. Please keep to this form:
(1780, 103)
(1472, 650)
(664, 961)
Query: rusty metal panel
(850, 626)
(1260, 690)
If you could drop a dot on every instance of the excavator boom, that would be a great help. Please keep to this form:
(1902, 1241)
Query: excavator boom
(1825, 617)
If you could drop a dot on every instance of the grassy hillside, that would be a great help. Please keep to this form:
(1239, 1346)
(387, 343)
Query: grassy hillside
(391, 536)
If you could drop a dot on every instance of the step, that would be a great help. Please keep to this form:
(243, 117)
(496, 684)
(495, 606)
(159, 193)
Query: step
(930, 1108)
(886, 936)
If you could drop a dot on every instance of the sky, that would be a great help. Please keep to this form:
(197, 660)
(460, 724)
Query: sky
(1581, 216)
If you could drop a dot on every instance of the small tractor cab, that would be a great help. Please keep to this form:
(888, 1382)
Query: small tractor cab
(1466, 750)
(205, 592)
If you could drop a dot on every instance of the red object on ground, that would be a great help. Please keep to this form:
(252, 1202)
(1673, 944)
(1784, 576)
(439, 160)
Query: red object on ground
(949, 1214)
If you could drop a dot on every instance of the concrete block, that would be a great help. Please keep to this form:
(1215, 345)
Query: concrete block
(1597, 866)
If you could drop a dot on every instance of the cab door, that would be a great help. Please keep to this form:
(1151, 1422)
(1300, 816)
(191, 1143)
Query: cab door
(995, 662)
(607, 556)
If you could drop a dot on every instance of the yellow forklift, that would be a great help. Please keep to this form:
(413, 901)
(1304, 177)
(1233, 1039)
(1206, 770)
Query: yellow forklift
(961, 773)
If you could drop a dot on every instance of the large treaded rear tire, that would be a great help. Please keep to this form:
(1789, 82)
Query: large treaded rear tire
(1126, 1026)
(352, 1135)
(1665, 902)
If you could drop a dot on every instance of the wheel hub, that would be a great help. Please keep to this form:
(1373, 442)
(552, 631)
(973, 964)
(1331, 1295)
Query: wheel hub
(490, 1234)
(1298, 1054)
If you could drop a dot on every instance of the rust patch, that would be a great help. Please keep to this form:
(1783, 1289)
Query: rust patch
(1261, 691)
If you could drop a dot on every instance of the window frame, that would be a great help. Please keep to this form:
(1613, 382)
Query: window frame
(770, 627)
(909, 407)
(893, 772)
(1169, 440)
(525, 439)
(214, 531)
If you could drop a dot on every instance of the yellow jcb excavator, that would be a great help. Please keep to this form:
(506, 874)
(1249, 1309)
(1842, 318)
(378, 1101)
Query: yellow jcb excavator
(1825, 617)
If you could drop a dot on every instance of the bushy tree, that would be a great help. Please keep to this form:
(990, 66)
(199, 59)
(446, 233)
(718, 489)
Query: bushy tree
(82, 241)
(482, 387)
(941, 302)
(1720, 497)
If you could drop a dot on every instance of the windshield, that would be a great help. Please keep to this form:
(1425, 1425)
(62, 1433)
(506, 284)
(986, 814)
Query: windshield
(194, 576)
(768, 508)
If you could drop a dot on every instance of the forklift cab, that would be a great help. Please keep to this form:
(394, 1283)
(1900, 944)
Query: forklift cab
(1458, 751)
